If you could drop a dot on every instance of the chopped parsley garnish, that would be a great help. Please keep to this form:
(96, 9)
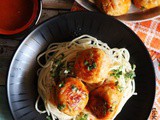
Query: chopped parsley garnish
(48, 118)
(58, 61)
(142, 8)
(91, 54)
(94, 65)
(74, 88)
(110, 109)
(90, 66)
(159, 64)
(53, 75)
(104, 111)
(60, 106)
(57, 67)
(130, 75)
(116, 83)
(116, 73)
(61, 85)
(120, 88)
(86, 62)
(104, 108)
(66, 71)
(84, 117)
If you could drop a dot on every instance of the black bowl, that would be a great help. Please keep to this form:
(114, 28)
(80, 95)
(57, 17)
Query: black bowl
(22, 78)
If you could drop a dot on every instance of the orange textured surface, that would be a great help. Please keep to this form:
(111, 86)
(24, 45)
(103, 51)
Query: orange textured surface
(149, 33)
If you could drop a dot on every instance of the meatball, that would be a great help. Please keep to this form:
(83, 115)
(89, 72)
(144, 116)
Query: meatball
(146, 4)
(114, 7)
(104, 101)
(72, 96)
(91, 65)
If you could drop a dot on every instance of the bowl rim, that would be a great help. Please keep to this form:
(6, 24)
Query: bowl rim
(26, 31)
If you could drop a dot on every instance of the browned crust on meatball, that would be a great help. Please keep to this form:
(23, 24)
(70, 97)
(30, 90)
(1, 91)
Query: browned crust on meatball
(72, 96)
(104, 101)
(91, 65)
(145, 4)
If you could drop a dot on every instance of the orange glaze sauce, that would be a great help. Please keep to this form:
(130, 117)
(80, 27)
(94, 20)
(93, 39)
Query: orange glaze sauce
(73, 98)
(17, 15)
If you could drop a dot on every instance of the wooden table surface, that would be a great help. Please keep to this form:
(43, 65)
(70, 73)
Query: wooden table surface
(9, 46)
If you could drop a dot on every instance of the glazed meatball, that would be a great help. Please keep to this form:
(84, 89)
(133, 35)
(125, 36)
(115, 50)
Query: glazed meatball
(104, 101)
(72, 96)
(91, 65)
(114, 7)
(146, 4)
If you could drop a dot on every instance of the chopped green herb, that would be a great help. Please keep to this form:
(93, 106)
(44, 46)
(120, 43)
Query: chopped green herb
(57, 62)
(104, 111)
(84, 117)
(74, 88)
(66, 71)
(60, 107)
(89, 68)
(116, 73)
(142, 8)
(92, 66)
(159, 64)
(86, 63)
(48, 118)
(110, 109)
(70, 66)
(130, 75)
(56, 73)
(53, 75)
(105, 107)
(91, 54)
(133, 67)
(89, 65)
(61, 85)
(116, 83)
(120, 88)
(60, 72)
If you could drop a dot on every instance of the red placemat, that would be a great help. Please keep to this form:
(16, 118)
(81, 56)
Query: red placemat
(149, 33)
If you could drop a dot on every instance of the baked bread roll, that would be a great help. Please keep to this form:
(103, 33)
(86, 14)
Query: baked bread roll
(146, 4)
(114, 7)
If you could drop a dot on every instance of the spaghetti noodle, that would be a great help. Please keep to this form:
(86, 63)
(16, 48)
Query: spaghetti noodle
(59, 57)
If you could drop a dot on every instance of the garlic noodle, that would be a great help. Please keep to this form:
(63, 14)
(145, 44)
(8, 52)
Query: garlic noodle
(60, 56)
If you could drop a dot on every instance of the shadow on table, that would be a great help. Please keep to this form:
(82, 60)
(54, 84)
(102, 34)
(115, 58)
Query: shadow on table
(5, 113)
